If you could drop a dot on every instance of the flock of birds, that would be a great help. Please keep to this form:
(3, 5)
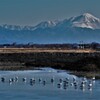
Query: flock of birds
(62, 82)
(83, 83)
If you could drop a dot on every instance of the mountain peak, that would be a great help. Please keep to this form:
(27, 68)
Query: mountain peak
(86, 20)
(87, 14)
(90, 16)
(46, 24)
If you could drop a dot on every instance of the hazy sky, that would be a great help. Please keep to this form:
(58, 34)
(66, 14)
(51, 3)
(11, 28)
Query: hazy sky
(31, 12)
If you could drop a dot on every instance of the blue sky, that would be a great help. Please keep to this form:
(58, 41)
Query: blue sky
(31, 12)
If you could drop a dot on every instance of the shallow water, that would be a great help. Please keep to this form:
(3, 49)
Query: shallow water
(20, 90)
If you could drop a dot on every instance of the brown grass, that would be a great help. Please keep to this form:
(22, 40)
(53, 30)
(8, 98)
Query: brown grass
(30, 50)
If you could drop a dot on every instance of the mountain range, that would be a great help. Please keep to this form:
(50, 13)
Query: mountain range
(85, 27)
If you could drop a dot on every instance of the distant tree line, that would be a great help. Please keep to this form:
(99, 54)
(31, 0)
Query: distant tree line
(92, 45)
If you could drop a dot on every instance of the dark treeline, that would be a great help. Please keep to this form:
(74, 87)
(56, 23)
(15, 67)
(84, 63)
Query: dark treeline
(92, 45)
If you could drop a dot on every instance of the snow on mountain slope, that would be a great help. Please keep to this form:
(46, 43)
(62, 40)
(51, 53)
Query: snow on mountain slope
(46, 24)
(85, 21)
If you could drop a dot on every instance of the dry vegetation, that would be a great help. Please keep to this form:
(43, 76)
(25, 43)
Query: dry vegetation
(30, 50)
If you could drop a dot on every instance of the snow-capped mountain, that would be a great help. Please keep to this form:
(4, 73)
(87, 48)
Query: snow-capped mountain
(86, 21)
(83, 21)
(84, 27)
(46, 24)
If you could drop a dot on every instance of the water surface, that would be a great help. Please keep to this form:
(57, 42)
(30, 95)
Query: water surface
(20, 90)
